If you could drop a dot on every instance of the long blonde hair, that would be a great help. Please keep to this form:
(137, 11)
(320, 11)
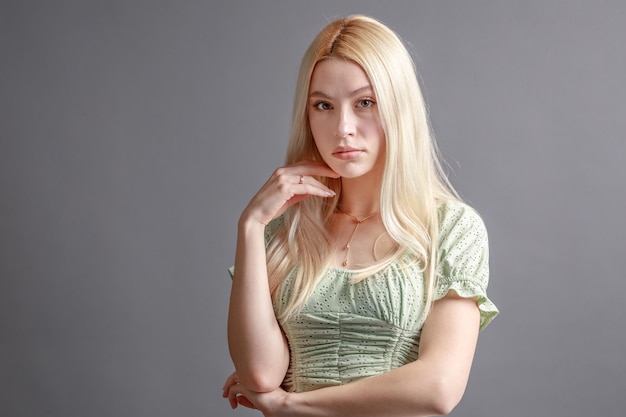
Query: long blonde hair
(413, 180)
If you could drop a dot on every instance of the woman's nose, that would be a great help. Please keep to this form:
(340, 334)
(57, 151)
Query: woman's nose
(346, 125)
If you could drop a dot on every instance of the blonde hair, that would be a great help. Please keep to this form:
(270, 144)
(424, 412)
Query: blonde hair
(413, 180)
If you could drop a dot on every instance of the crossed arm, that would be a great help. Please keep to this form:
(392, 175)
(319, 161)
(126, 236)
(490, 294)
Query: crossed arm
(432, 385)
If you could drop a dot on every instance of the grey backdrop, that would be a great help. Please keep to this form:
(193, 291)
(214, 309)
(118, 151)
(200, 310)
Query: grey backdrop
(134, 132)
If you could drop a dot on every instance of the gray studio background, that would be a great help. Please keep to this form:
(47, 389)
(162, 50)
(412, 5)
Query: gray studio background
(133, 133)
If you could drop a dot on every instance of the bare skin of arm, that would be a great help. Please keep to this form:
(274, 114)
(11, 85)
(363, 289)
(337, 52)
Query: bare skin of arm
(432, 385)
(257, 345)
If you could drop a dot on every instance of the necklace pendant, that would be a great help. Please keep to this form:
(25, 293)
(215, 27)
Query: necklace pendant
(358, 221)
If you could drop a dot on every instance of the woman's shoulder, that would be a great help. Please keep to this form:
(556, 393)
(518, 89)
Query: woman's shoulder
(457, 219)
(453, 212)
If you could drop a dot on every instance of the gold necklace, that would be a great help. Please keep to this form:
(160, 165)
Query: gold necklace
(358, 220)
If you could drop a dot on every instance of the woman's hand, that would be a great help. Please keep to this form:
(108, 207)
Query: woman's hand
(287, 186)
(271, 404)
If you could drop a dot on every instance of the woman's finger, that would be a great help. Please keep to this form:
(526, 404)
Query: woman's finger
(245, 402)
(289, 183)
(232, 396)
(233, 379)
(237, 395)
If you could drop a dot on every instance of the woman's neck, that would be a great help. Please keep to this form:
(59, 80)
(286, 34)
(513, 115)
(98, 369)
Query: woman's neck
(358, 197)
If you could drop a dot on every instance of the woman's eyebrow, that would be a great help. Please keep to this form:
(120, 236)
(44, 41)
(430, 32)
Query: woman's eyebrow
(353, 93)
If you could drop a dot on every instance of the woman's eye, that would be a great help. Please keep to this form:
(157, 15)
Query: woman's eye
(322, 105)
(366, 102)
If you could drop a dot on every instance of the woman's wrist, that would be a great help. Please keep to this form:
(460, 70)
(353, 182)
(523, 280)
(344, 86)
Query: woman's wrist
(248, 223)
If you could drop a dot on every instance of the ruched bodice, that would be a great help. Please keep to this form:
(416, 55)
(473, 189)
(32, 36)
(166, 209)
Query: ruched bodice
(348, 331)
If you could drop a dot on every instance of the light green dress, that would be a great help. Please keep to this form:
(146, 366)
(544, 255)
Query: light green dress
(347, 331)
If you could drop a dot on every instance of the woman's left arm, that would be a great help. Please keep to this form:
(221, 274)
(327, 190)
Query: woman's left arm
(432, 385)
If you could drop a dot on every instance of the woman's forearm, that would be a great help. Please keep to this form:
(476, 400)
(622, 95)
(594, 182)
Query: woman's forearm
(432, 385)
(412, 390)
(257, 345)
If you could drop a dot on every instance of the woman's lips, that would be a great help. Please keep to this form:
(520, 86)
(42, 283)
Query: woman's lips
(347, 153)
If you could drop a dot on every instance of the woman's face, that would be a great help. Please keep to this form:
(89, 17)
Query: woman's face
(344, 119)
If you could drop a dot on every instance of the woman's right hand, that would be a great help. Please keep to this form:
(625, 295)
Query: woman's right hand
(287, 186)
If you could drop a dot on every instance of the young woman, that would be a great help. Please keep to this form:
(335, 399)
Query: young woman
(359, 284)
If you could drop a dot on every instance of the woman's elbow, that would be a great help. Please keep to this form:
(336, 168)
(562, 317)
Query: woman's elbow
(443, 407)
(446, 397)
(260, 381)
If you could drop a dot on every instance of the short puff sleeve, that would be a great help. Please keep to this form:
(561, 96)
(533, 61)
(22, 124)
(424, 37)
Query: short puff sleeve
(464, 257)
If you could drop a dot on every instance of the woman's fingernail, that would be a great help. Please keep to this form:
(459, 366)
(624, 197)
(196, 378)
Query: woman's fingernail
(330, 193)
